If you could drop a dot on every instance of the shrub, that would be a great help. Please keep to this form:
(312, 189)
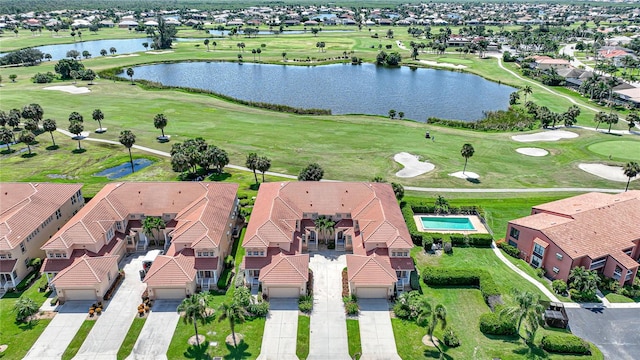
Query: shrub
(305, 303)
(565, 343)
(225, 279)
(448, 248)
(510, 249)
(43, 78)
(351, 308)
(559, 286)
(24, 284)
(540, 272)
(242, 296)
(401, 311)
(494, 324)
(259, 309)
(414, 280)
(463, 277)
(583, 296)
(458, 240)
(480, 240)
(450, 337)
(427, 242)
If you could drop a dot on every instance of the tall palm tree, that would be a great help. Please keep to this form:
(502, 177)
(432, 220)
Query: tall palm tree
(50, 126)
(130, 73)
(324, 226)
(599, 118)
(77, 128)
(160, 122)
(431, 318)
(528, 310)
(235, 314)
(206, 43)
(252, 163)
(633, 118)
(263, 165)
(194, 309)
(526, 91)
(151, 223)
(631, 169)
(6, 136)
(28, 138)
(466, 152)
(127, 138)
(98, 116)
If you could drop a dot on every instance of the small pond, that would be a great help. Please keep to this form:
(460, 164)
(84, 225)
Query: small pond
(123, 46)
(124, 169)
(342, 88)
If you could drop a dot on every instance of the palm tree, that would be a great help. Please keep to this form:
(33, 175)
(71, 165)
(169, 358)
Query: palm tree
(252, 163)
(466, 152)
(160, 122)
(50, 126)
(583, 280)
(599, 117)
(633, 118)
(24, 308)
(77, 128)
(76, 117)
(528, 310)
(431, 318)
(324, 226)
(145, 45)
(127, 138)
(113, 50)
(130, 73)
(206, 43)
(28, 138)
(263, 165)
(631, 169)
(98, 116)
(526, 91)
(103, 52)
(6, 136)
(194, 309)
(235, 314)
(151, 223)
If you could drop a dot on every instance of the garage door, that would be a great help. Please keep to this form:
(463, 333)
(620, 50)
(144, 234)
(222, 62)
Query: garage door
(80, 294)
(372, 292)
(170, 293)
(284, 292)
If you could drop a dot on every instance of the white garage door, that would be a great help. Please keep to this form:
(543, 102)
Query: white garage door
(284, 292)
(372, 292)
(80, 294)
(170, 293)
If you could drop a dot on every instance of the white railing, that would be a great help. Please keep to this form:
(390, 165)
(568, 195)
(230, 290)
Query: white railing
(205, 284)
(399, 287)
(6, 285)
(597, 264)
(255, 284)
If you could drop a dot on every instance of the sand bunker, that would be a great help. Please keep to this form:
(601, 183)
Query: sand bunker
(71, 89)
(550, 135)
(532, 151)
(613, 173)
(439, 64)
(124, 56)
(412, 165)
(465, 175)
(159, 52)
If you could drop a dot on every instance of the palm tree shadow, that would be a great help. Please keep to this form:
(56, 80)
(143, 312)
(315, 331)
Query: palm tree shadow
(435, 354)
(473, 181)
(239, 352)
(197, 352)
(531, 351)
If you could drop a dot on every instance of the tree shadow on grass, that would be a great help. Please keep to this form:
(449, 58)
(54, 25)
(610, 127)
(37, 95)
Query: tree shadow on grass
(219, 177)
(435, 354)
(29, 325)
(531, 351)
(239, 352)
(79, 151)
(52, 147)
(254, 186)
(27, 156)
(473, 181)
(198, 352)
(7, 152)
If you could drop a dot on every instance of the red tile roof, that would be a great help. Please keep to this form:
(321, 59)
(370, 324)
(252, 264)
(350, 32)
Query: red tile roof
(170, 270)
(25, 206)
(286, 269)
(7, 266)
(86, 270)
(370, 270)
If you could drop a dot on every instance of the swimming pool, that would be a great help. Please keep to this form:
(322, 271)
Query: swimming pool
(446, 223)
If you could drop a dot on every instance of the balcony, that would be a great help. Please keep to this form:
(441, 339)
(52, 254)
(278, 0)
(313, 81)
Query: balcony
(6, 285)
(597, 264)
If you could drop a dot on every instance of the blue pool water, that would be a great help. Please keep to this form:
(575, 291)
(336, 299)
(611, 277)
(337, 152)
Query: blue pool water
(446, 223)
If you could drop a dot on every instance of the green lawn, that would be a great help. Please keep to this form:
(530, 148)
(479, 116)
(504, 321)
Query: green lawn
(616, 298)
(353, 334)
(130, 339)
(302, 344)
(624, 150)
(77, 341)
(20, 336)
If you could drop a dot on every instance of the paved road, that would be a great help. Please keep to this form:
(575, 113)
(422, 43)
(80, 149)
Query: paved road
(61, 330)
(155, 336)
(614, 331)
(280, 331)
(106, 336)
(376, 332)
(328, 337)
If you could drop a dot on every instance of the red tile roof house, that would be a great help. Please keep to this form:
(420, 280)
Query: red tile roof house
(82, 258)
(595, 230)
(368, 225)
(29, 215)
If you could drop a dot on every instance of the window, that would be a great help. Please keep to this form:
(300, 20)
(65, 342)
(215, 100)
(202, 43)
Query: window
(58, 255)
(199, 253)
(119, 225)
(538, 250)
(22, 248)
(3, 256)
(556, 270)
(58, 214)
(405, 254)
(514, 233)
(559, 256)
(26, 262)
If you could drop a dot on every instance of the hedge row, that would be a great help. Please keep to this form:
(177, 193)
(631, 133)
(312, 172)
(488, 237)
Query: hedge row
(463, 277)
(509, 249)
(493, 324)
(566, 344)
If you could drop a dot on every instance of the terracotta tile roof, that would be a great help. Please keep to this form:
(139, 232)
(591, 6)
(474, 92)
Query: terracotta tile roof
(170, 270)
(624, 260)
(590, 225)
(7, 266)
(370, 270)
(286, 269)
(402, 263)
(205, 263)
(55, 265)
(85, 271)
(25, 206)
(541, 242)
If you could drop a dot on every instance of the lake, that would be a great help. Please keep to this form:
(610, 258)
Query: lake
(123, 46)
(275, 28)
(342, 88)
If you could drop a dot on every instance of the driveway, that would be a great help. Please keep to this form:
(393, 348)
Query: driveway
(328, 323)
(61, 330)
(155, 336)
(104, 340)
(614, 331)
(280, 330)
(376, 333)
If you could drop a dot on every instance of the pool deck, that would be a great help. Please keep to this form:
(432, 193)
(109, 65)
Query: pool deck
(475, 221)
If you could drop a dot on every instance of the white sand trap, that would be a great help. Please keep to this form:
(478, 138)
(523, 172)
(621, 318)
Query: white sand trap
(613, 173)
(159, 52)
(550, 135)
(465, 175)
(439, 64)
(124, 56)
(71, 89)
(532, 151)
(412, 165)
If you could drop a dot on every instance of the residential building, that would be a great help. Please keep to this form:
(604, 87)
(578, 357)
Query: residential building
(198, 219)
(595, 230)
(30, 214)
(365, 222)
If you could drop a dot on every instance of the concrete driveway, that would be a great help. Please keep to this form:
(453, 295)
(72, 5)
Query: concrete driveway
(104, 340)
(328, 323)
(61, 330)
(280, 330)
(376, 332)
(614, 331)
(155, 336)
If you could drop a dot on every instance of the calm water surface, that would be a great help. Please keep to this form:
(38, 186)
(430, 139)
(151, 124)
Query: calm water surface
(342, 88)
(123, 46)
